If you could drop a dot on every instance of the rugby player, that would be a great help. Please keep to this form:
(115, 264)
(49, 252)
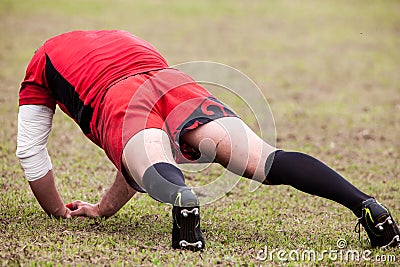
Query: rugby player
(148, 117)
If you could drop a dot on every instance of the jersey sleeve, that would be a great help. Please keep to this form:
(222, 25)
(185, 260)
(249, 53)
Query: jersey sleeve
(34, 90)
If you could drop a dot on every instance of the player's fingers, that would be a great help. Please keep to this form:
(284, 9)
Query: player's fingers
(74, 204)
(68, 214)
(81, 211)
(78, 203)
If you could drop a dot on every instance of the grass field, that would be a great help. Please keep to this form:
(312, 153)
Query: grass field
(330, 71)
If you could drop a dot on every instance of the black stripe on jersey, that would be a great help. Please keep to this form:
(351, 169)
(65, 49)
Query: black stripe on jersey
(65, 93)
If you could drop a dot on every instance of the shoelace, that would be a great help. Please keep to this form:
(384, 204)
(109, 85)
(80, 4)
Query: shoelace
(359, 229)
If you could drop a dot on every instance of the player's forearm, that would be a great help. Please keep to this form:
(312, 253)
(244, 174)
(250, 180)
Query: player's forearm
(115, 197)
(49, 198)
(34, 126)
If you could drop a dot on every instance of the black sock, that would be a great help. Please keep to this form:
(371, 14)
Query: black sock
(166, 183)
(310, 175)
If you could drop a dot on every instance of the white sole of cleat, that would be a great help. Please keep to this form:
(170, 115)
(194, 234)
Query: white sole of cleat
(186, 233)
(184, 243)
(379, 225)
(186, 212)
(395, 239)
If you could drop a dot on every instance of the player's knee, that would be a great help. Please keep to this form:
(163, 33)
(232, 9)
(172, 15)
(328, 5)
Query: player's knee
(273, 175)
(223, 150)
(166, 183)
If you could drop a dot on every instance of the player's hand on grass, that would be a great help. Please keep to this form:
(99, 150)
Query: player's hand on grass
(83, 209)
(63, 214)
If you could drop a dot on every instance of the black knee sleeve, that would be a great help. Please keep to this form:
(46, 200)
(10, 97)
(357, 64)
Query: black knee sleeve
(272, 169)
(310, 175)
(166, 183)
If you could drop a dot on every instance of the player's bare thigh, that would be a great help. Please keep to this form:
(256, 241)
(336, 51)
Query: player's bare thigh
(145, 149)
(233, 144)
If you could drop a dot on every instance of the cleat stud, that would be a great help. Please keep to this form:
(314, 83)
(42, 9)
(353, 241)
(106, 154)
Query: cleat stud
(183, 243)
(196, 212)
(390, 222)
(380, 228)
(184, 213)
(199, 245)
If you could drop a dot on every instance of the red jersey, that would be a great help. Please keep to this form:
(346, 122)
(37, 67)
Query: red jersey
(75, 70)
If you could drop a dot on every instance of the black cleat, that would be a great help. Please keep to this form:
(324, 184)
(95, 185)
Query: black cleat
(186, 232)
(379, 225)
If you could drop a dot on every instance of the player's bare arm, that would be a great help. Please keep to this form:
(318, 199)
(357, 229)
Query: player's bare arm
(34, 126)
(46, 193)
(113, 200)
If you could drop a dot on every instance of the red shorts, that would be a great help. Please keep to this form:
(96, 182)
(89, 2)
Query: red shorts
(165, 99)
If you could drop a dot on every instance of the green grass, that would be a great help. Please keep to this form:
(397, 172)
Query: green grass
(330, 71)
